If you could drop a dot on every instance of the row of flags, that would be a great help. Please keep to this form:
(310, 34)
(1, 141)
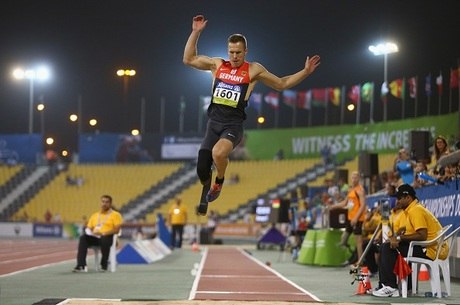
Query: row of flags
(321, 97)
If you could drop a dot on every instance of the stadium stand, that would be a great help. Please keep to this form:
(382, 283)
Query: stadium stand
(73, 201)
(255, 178)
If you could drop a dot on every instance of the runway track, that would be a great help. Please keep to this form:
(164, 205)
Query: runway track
(232, 274)
(224, 274)
(19, 255)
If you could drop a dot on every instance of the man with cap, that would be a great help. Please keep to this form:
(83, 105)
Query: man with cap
(415, 222)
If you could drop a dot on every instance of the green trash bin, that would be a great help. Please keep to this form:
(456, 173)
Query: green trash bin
(328, 251)
(307, 250)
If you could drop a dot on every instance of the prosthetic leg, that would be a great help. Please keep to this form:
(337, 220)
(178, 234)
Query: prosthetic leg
(204, 172)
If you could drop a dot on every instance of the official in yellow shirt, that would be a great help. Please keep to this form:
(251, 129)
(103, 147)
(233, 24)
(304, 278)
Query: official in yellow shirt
(99, 231)
(177, 218)
(414, 222)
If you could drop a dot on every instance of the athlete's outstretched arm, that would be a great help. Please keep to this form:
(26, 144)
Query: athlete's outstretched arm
(191, 57)
(289, 81)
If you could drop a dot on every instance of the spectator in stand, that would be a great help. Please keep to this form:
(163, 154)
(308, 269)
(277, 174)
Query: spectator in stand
(57, 218)
(99, 231)
(48, 216)
(404, 166)
(450, 173)
(440, 148)
(420, 168)
(332, 187)
(343, 186)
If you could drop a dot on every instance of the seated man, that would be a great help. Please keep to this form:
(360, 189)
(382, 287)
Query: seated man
(414, 222)
(99, 231)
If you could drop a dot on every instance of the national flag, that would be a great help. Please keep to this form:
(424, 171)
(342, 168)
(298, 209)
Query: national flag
(290, 97)
(412, 86)
(384, 90)
(439, 83)
(428, 85)
(318, 97)
(334, 95)
(272, 98)
(397, 88)
(304, 99)
(367, 90)
(255, 101)
(354, 94)
(454, 78)
(205, 101)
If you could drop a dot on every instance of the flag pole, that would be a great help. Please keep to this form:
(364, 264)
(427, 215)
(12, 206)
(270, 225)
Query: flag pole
(277, 115)
(371, 112)
(342, 105)
(162, 114)
(416, 97)
(439, 93)
(294, 113)
(325, 108)
(428, 95)
(403, 97)
(259, 112)
(143, 115)
(450, 91)
(358, 107)
(458, 78)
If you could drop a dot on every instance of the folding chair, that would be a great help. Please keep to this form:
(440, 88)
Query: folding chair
(112, 256)
(444, 264)
(433, 265)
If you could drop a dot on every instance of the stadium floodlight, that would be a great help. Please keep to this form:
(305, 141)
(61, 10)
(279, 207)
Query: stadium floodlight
(41, 73)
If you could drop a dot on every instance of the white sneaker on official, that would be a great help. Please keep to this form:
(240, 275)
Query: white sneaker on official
(386, 291)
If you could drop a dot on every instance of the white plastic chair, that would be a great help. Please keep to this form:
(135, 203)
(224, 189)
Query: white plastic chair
(432, 265)
(112, 256)
(444, 264)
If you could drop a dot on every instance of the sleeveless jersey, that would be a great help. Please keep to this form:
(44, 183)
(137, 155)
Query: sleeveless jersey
(229, 92)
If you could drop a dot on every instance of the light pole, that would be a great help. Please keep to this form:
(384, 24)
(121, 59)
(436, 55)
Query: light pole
(41, 109)
(126, 74)
(384, 49)
(41, 73)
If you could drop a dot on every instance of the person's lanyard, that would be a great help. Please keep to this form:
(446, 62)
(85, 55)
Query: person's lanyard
(101, 223)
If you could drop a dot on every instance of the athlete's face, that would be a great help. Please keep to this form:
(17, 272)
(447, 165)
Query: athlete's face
(236, 53)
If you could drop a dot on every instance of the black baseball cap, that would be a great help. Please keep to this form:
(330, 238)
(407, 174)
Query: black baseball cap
(405, 189)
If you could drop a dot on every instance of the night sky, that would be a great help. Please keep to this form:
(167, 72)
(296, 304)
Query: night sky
(84, 43)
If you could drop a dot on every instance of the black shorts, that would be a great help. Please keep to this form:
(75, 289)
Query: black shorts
(356, 230)
(216, 131)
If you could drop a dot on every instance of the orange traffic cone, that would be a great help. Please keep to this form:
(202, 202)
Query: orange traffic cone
(364, 284)
(423, 273)
(195, 247)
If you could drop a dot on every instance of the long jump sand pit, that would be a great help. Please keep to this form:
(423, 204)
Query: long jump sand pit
(187, 302)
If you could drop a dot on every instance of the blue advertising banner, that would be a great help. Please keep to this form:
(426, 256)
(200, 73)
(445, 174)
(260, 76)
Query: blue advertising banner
(47, 230)
(20, 148)
(113, 147)
(442, 200)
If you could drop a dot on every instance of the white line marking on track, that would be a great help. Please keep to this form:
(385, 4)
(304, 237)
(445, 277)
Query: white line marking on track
(241, 276)
(279, 275)
(251, 292)
(35, 268)
(198, 275)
